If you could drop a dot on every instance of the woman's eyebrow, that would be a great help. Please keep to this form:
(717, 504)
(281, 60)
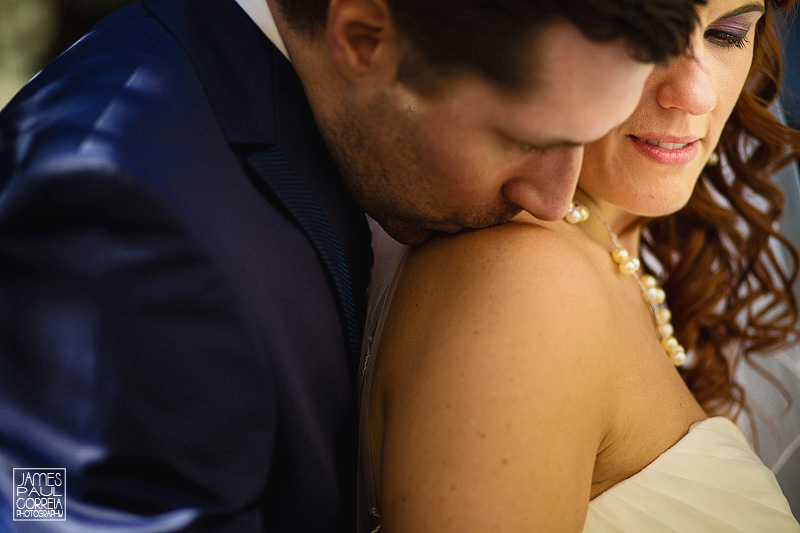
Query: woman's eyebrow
(747, 8)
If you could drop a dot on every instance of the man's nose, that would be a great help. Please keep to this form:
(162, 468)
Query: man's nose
(546, 185)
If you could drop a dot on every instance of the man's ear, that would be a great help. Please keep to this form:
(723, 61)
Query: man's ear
(362, 39)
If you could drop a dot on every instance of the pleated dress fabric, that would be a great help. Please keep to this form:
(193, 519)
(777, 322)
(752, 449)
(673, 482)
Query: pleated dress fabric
(709, 481)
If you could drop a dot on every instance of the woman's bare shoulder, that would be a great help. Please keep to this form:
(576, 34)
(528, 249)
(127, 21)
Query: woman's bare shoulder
(521, 288)
(490, 356)
(519, 257)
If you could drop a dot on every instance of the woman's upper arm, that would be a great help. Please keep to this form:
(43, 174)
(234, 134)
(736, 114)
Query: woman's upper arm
(495, 386)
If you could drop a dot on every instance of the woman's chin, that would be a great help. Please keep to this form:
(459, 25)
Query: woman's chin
(663, 209)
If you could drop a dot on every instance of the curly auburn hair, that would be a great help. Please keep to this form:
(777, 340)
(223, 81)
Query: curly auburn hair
(742, 305)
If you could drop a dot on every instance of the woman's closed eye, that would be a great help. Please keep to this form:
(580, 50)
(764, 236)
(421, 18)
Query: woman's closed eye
(731, 30)
(728, 38)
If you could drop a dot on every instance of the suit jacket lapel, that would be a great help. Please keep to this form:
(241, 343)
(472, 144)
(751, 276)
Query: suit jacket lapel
(274, 169)
(262, 109)
(303, 177)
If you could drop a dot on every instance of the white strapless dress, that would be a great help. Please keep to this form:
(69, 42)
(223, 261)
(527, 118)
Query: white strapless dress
(709, 481)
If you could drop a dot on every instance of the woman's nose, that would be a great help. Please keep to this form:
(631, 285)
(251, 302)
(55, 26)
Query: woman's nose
(686, 84)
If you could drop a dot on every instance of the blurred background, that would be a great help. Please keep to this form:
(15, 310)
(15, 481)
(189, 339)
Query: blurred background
(33, 32)
(791, 78)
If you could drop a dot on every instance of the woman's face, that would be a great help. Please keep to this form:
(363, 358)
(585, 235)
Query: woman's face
(649, 164)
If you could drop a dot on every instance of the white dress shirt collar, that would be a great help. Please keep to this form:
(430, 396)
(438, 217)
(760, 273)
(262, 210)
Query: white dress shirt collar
(259, 11)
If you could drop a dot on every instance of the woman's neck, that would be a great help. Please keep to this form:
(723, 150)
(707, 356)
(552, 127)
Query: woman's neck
(621, 222)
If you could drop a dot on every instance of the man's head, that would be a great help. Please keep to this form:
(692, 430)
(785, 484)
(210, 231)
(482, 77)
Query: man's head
(454, 114)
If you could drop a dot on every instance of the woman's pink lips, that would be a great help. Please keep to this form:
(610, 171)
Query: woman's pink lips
(673, 158)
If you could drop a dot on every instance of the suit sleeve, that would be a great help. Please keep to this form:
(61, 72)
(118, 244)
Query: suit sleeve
(126, 359)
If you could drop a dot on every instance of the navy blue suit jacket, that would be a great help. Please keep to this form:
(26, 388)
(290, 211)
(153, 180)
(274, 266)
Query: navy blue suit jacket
(182, 279)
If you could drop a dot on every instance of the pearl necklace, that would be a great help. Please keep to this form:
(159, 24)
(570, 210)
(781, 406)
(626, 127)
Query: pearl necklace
(653, 294)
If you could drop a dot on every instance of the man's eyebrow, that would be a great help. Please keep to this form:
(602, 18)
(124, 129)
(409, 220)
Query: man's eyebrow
(542, 144)
(558, 143)
(747, 8)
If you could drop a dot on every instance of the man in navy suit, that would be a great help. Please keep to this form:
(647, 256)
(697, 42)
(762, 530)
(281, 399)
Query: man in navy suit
(183, 246)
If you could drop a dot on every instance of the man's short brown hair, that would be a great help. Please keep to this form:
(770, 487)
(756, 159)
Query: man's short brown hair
(486, 36)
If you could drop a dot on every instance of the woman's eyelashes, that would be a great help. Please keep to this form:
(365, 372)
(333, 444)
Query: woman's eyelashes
(728, 38)
(732, 32)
